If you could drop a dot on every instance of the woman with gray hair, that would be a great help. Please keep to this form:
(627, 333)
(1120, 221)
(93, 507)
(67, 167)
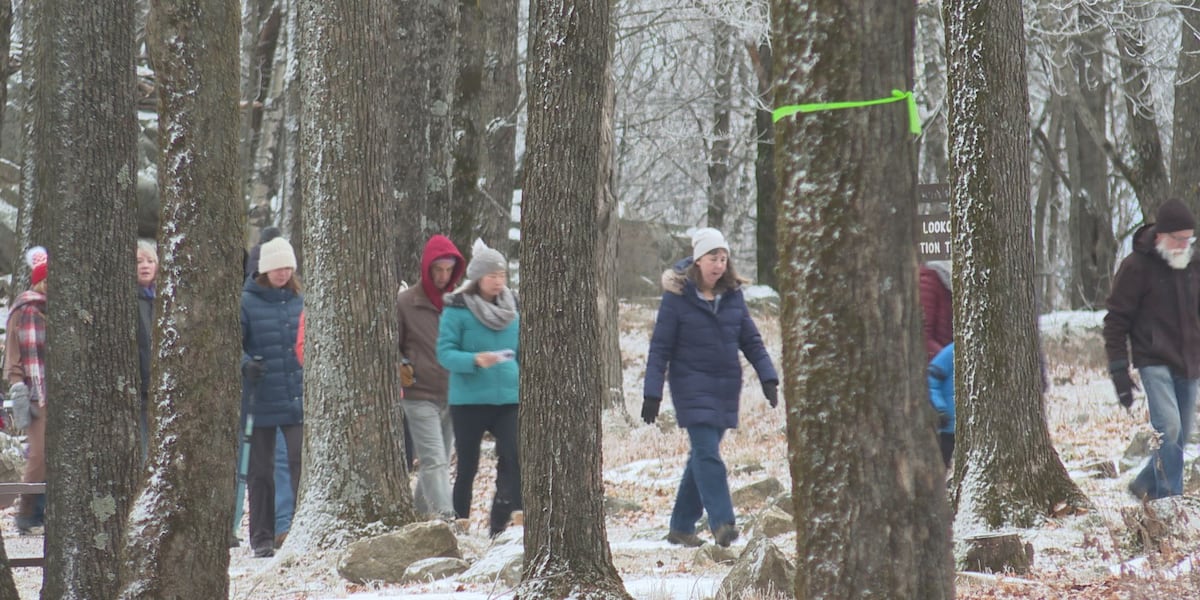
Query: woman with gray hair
(147, 271)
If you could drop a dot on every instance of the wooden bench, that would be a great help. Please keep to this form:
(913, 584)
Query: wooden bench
(24, 488)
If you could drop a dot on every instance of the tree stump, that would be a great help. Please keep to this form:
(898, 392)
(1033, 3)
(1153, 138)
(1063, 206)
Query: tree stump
(998, 553)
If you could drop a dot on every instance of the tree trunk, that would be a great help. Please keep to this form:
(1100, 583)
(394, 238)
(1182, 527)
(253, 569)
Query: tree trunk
(84, 146)
(291, 189)
(354, 475)
(422, 100)
(269, 152)
(1185, 141)
(499, 107)
(857, 446)
(259, 34)
(1148, 172)
(182, 517)
(467, 144)
(1044, 227)
(764, 167)
(931, 93)
(1093, 249)
(719, 150)
(998, 381)
(568, 168)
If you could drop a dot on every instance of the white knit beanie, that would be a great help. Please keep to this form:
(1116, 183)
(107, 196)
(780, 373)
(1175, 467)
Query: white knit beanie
(706, 240)
(484, 260)
(276, 254)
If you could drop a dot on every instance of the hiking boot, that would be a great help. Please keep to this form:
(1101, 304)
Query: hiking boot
(725, 534)
(264, 552)
(680, 538)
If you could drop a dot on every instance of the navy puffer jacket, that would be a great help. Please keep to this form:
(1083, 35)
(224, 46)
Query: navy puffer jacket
(270, 320)
(697, 349)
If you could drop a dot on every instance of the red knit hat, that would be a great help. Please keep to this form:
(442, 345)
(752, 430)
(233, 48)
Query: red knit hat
(38, 261)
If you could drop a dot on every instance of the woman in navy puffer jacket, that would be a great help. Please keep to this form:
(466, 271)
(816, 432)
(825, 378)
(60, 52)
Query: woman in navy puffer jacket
(273, 382)
(701, 326)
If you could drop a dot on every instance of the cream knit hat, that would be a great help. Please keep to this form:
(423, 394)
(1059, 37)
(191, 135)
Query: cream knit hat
(276, 254)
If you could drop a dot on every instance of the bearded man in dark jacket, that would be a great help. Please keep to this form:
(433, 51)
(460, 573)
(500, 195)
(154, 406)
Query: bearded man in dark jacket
(1154, 318)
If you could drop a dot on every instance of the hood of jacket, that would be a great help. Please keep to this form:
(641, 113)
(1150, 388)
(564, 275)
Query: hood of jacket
(675, 280)
(439, 247)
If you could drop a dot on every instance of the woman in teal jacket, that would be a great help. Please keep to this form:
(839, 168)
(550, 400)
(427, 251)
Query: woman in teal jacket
(477, 344)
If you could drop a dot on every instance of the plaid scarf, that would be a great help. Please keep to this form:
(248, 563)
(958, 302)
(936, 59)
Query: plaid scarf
(29, 324)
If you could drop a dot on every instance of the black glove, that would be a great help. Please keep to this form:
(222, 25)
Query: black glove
(254, 370)
(1125, 387)
(771, 391)
(650, 409)
(943, 420)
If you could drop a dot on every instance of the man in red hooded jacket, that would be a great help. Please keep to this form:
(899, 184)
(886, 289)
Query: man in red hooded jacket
(425, 395)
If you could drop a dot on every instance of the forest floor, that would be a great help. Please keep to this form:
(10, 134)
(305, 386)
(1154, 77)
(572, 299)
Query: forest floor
(1080, 557)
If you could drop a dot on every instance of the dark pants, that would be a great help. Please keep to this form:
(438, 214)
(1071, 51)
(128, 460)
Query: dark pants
(260, 479)
(470, 422)
(946, 443)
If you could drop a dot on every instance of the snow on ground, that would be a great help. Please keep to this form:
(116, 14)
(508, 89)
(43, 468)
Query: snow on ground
(1077, 557)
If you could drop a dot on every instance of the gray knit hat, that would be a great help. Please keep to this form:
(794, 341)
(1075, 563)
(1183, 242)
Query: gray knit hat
(484, 260)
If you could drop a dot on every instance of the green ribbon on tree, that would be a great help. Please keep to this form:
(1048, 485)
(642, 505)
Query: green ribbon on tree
(914, 119)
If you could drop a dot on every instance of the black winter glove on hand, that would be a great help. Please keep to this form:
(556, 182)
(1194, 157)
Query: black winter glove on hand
(943, 420)
(1125, 387)
(254, 369)
(650, 409)
(771, 391)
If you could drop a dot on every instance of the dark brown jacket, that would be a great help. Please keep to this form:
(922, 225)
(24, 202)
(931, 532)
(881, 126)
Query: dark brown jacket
(1156, 309)
(418, 333)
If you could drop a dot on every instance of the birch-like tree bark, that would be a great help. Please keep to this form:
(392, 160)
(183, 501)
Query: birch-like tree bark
(183, 515)
(868, 483)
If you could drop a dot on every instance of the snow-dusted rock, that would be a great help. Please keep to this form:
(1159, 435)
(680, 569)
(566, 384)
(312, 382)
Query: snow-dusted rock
(762, 567)
(1164, 524)
(502, 563)
(773, 521)
(433, 569)
(757, 493)
(385, 557)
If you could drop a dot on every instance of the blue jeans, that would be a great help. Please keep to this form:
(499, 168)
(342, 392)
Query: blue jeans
(1172, 403)
(285, 502)
(704, 485)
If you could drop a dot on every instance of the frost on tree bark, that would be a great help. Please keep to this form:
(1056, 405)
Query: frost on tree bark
(867, 480)
(720, 148)
(1146, 170)
(258, 39)
(182, 516)
(354, 481)
(501, 95)
(422, 97)
(1185, 141)
(1006, 470)
(567, 172)
(84, 144)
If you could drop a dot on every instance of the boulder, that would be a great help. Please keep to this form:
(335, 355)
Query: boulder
(386, 557)
(1163, 525)
(761, 568)
(757, 493)
(710, 554)
(614, 506)
(784, 503)
(433, 569)
(1142, 444)
(502, 563)
(772, 522)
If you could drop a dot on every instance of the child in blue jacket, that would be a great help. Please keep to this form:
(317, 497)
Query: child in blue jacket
(940, 375)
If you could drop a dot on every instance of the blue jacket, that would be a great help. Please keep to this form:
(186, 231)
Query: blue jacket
(697, 348)
(940, 375)
(460, 337)
(270, 320)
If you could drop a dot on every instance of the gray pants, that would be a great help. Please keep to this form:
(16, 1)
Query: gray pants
(433, 439)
